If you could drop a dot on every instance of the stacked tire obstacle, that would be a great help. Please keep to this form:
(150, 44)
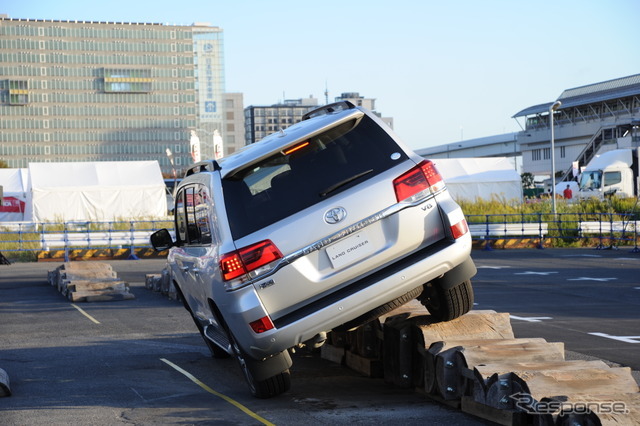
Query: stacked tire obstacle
(475, 363)
(89, 282)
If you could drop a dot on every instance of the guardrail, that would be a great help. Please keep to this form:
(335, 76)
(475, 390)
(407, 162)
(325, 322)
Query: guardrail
(47, 236)
(608, 229)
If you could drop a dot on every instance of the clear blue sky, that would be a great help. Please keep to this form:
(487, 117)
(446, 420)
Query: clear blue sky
(445, 71)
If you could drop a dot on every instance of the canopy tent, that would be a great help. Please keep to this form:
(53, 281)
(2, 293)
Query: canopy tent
(95, 191)
(484, 178)
(14, 189)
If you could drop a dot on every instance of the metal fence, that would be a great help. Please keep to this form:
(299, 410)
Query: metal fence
(46, 236)
(600, 230)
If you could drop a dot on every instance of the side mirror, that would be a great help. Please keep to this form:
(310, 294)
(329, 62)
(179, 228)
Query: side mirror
(161, 240)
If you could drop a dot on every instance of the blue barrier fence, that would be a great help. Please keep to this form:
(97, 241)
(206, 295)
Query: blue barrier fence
(39, 237)
(608, 230)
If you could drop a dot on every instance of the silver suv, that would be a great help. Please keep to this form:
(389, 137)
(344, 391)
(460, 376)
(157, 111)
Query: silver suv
(327, 224)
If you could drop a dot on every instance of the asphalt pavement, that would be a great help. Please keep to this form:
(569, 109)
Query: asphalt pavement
(142, 361)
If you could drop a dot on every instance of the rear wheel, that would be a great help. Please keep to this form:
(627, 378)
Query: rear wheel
(447, 304)
(267, 388)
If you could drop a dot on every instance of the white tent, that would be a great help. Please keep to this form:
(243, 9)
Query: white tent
(14, 188)
(95, 191)
(484, 178)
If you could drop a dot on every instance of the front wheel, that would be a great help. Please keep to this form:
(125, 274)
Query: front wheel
(447, 304)
(267, 388)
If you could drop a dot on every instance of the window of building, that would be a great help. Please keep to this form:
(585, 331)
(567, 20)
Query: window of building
(127, 80)
(535, 155)
(562, 152)
(546, 153)
(18, 92)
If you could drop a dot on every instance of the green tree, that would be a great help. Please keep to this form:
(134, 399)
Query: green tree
(527, 180)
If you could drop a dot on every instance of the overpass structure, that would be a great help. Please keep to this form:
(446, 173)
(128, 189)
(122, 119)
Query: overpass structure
(591, 119)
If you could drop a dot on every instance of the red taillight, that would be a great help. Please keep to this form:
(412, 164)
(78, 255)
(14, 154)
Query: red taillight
(459, 229)
(423, 176)
(248, 258)
(261, 325)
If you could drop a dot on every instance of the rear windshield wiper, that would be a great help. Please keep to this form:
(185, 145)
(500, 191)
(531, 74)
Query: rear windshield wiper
(344, 182)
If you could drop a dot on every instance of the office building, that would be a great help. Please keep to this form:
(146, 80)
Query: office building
(108, 91)
(260, 121)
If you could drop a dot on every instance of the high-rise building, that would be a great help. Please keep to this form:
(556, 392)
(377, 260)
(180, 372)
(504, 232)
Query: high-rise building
(368, 103)
(108, 91)
(260, 121)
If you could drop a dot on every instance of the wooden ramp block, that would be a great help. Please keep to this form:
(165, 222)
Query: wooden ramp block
(453, 366)
(89, 281)
(370, 367)
(407, 333)
(619, 409)
(332, 353)
(486, 375)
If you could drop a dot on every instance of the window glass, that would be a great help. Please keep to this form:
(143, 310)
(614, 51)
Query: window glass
(305, 174)
(181, 217)
(193, 215)
(612, 178)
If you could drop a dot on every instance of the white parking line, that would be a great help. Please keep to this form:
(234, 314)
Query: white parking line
(85, 314)
(591, 279)
(492, 267)
(534, 273)
(626, 339)
(529, 319)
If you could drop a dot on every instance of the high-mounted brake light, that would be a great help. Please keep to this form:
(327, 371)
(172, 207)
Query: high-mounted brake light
(295, 148)
(248, 258)
(421, 178)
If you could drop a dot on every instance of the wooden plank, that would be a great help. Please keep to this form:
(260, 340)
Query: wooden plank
(97, 285)
(89, 274)
(481, 324)
(602, 381)
(438, 347)
(78, 296)
(483, 373)
(332, 353)
(84, 266)
(110, 297)
(619, 409)
(370, 367)
(453, 366)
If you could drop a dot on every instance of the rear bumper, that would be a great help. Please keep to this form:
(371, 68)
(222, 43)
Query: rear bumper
(431, 263)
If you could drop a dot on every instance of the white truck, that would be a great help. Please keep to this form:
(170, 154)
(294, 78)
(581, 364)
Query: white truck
(613, 173)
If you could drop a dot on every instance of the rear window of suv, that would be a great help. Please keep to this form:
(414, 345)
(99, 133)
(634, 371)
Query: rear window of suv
(304, 174)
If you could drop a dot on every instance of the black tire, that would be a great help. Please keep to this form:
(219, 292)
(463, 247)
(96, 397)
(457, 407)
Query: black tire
(380, 310)
(268, 388)
(216, 351)
(448, 304)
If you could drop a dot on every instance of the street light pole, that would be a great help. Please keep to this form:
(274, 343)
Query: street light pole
(553, 107)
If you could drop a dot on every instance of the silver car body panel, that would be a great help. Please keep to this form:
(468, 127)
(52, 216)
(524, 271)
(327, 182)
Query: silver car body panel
(330, 273)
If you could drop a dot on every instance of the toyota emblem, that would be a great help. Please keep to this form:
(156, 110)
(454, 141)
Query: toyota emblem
(335, 215)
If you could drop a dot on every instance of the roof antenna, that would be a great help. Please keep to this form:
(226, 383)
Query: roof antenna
(326, 93)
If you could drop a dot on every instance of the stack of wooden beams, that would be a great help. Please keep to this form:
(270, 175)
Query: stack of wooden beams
(89, 282)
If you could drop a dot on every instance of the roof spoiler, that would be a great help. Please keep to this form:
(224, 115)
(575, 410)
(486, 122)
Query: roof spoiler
(328, 109)
(202, 166)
